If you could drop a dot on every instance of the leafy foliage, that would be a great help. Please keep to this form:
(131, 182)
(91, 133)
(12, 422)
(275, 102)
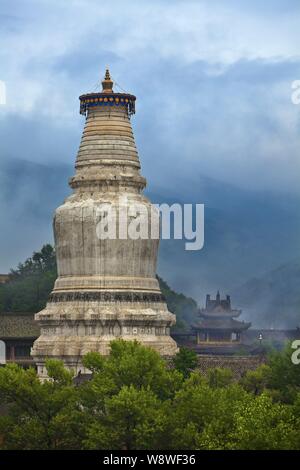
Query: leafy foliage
(185, 361)
(135, 400)
(218, 378)
(284, 377)
(30, 284)
(37, 410)
(256, 381)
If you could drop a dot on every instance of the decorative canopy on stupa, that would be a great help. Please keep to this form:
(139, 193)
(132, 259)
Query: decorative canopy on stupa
(107, 97)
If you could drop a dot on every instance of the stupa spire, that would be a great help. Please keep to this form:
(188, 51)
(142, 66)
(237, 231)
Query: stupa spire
(107, 83)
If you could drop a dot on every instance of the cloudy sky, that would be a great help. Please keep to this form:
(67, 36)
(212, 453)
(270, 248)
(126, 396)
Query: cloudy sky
(212, 79)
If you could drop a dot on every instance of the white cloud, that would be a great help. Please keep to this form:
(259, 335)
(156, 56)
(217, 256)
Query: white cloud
(47, 46)
(136, 31)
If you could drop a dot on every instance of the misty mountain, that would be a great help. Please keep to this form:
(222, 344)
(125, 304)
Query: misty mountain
(273, 300)
(31, 190)
(247, 233)
(29, 193)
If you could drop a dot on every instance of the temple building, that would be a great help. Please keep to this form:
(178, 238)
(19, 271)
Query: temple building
(106, 287)
(4, 278)
(218, 325)
(18, 332)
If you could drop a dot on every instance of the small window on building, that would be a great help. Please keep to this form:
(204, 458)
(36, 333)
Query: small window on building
(22, 351)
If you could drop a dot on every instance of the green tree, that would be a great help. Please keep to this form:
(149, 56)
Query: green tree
(128, 398)
(130, 363)
(40, 415)
(218, 377)
(132, 419)
(284, 376)
(261, 424)
(135, 400)
(202, 416)
(256, 381)
(228, 417)
(30, 284)
(185, 361)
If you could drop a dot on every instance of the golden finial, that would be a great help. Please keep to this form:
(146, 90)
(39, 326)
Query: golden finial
(107, 83)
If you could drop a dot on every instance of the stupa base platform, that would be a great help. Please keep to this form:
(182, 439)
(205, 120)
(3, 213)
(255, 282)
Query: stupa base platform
(71, 330)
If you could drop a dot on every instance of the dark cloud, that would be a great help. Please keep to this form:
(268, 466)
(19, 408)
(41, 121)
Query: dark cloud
(214, 119)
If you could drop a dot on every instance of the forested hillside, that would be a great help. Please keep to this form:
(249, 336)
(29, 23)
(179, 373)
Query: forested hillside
(32, 281)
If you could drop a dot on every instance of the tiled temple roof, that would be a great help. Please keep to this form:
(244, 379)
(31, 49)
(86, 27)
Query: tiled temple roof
(221, 324)
(219, 312)
(18, 325)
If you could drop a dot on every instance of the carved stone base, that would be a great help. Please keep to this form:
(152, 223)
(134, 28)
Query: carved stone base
(71, 329)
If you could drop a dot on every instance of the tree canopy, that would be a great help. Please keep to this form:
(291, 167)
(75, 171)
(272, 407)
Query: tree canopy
(30, 284)
(137, 400)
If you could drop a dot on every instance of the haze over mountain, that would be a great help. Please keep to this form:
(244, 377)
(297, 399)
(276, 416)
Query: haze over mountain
(247, 233)
(272, 300)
